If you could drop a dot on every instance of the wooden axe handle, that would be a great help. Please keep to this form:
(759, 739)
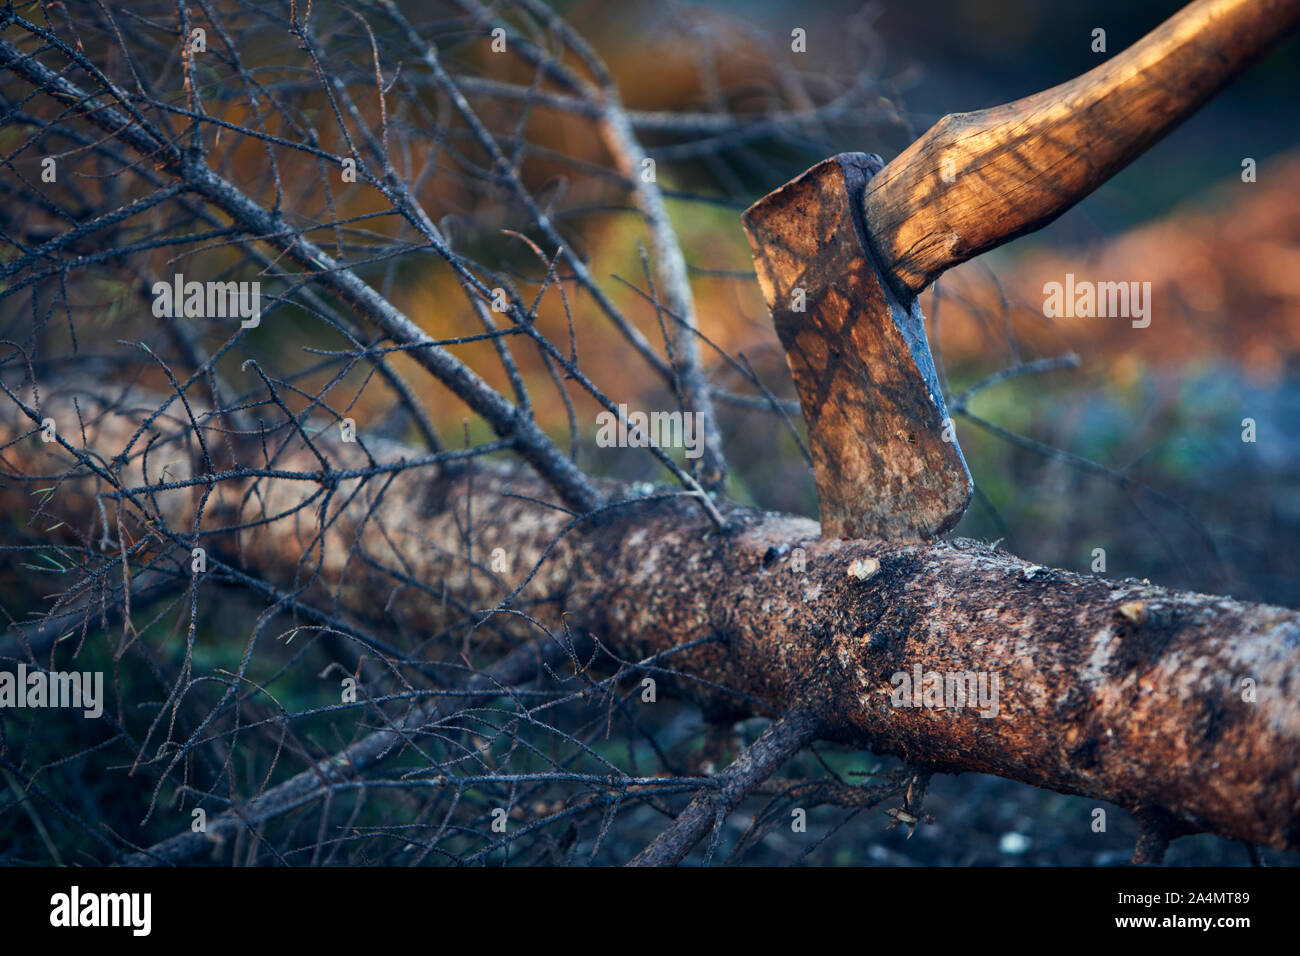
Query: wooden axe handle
(977, 180)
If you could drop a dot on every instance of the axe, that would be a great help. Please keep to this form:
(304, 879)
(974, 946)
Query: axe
(842, 251)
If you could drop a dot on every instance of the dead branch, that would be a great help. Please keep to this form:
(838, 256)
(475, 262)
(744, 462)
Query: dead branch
(311, 784)
(1116, 689)
(707, 811)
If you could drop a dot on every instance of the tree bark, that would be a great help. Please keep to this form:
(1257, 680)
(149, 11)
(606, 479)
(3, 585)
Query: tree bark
(1115, 689)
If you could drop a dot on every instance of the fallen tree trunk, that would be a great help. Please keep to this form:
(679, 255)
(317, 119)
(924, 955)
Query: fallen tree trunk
(1179, 705)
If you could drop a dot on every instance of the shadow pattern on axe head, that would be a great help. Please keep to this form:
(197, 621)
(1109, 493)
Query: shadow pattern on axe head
(885, 465)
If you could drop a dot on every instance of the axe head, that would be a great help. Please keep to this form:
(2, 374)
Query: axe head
(885, 457)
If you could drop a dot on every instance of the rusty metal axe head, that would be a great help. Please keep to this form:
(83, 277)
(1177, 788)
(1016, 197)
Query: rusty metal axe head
(841, 251)
(886, 461)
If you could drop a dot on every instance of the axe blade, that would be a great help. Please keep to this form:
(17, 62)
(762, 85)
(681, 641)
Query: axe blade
(860, 360)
